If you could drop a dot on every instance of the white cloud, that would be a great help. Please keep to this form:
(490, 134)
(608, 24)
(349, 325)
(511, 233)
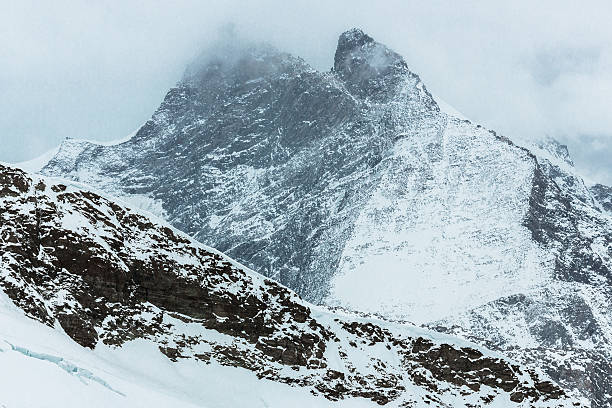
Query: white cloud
(99, 69)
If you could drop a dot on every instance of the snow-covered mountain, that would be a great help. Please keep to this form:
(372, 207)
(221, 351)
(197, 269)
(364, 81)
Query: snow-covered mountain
(355, 189)
(103, 304)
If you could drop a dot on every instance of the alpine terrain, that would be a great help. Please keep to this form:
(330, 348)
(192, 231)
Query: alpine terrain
(356, 190)
(103, 304)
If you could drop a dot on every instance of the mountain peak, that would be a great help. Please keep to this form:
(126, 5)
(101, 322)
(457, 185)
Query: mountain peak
(348, 42)
(369, 69)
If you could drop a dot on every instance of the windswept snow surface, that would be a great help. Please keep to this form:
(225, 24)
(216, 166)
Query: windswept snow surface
(42, 367)
(416, 244)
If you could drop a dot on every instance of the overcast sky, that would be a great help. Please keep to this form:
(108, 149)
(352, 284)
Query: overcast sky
(98, 69)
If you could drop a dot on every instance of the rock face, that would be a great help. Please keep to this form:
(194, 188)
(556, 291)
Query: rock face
(108, 275)
(259, 155)
(353, 188)
(604, 195)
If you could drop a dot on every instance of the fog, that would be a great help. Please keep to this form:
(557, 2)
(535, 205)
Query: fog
(98, 70)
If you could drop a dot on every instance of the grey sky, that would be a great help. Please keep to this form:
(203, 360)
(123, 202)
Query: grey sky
(98, 70)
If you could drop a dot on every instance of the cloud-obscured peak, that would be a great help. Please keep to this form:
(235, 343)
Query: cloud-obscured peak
(235, 57)
(98, 69)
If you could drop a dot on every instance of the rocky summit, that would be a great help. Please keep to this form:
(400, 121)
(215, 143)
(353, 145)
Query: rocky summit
(109, 277)
(353, 188)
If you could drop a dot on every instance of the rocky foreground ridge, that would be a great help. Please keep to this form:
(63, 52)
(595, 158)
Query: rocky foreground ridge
(107, 275)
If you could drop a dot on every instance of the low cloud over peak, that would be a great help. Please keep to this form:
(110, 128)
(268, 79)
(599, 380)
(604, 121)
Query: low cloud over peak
(98, 70)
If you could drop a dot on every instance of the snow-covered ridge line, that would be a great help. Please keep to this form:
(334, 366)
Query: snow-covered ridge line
(38, 163)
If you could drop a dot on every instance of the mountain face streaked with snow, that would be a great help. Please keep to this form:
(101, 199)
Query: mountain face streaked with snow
(354, 189)
(89, 288)
(604, 195)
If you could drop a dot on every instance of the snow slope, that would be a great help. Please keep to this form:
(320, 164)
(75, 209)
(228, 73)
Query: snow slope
(43, 367)
(415, 241)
